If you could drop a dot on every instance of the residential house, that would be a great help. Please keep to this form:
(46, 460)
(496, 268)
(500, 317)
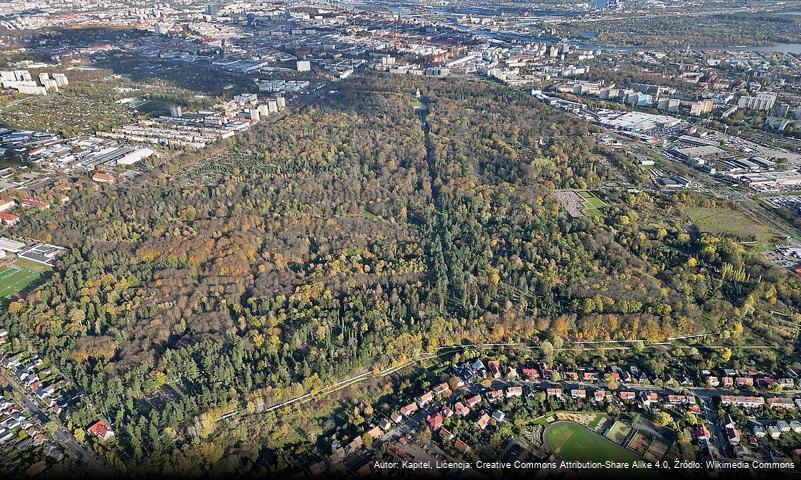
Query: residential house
(29, 202)
(483, 421)
(478, 366)
(425, 398)
(531, 373)
(781, 402)
(101, 177)
(461, 446)
(446, 435)
(578, 393)
(712, 381)
(355, 444)
(409, 409)
(763, 382)
(435, 421)
(514, 392)
(474, 400)
(8, 219)
(700, 432)
(461, 409)
(742, 401)
(648, 398)
(732, 433)
(7, 204)
(495, 395)
(498, 416)
(774, 432)
(554, 392)
(375, 433)
(441, 389)
(495, 368)
(102, 430)
(627, 395)
(396, 417)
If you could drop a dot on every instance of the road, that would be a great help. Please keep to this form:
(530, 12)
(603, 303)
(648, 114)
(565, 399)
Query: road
(61, 435)
(443, 350)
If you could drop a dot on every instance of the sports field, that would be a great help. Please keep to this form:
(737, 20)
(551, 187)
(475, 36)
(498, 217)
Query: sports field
(593, 205)
(13, 280)
(573, 442)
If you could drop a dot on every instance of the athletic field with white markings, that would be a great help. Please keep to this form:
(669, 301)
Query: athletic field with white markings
(14, 279)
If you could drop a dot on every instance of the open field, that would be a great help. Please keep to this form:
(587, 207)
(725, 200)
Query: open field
(13, 280)
(26, 264)
(592, 204)
(725, 221)
(573, 442)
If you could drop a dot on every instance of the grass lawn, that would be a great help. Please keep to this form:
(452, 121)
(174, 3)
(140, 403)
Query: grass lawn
(573, 442)
(13, 280)
(5, 163)
(594, 204)
(31, 265)
(725, 221)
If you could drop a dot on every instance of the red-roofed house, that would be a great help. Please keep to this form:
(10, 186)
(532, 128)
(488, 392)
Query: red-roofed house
(29, 202)
(495, 395)
(626, 395)
(8, 218)
(461, 409)
(554, 392)
(409, 409)
(701, 432)
(441, 388)
(514, 392)
(473, 401)
(101, 177)
(495, 368)
(425, 398)
(578, 393)
(461, 446)
(531, 373)
(435, 420)
(483, 421)
(102, 430)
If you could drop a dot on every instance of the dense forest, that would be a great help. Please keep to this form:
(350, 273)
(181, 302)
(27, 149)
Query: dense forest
(716, 30)
(355, 233)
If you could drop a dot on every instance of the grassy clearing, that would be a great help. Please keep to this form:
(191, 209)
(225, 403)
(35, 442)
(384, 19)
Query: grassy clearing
(725, 221)
(593, 204)
(31, 265)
